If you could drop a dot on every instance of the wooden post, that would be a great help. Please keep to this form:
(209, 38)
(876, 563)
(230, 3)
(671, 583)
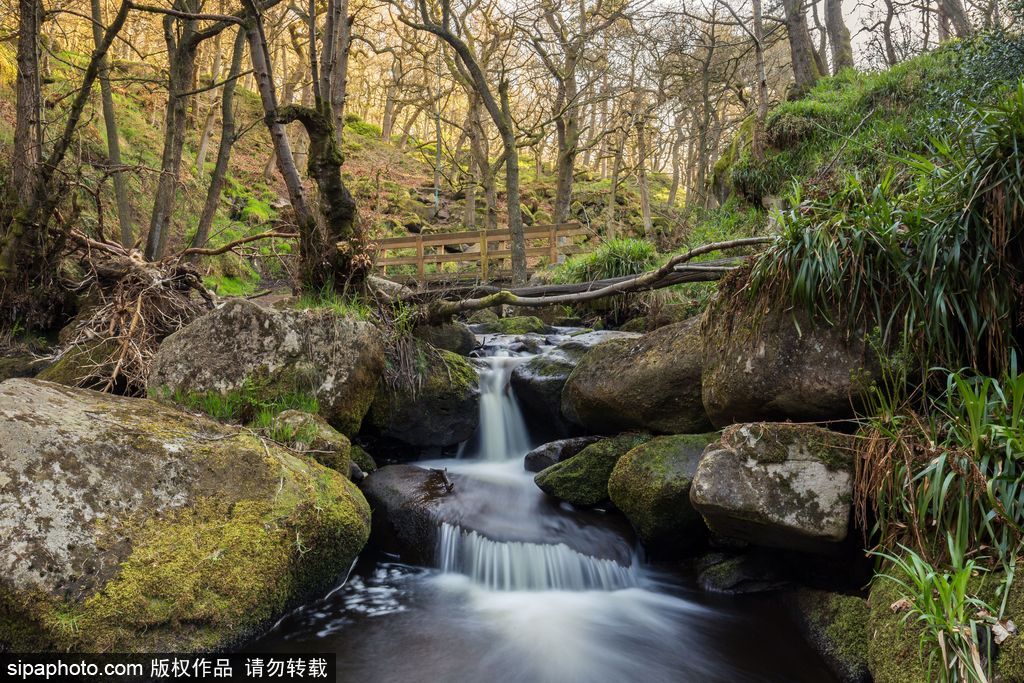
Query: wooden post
(420, 268)
(483, 254)
(553, 246)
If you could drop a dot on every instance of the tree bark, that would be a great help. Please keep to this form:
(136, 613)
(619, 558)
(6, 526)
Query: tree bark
(211, 114)
(227, 139)
(801, 48)
(641, 177)
(124, 209)
(838, 36)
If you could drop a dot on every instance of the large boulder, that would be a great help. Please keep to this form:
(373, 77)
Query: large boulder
(410, 504)
(539, 381)
(653, 383)
(439, 408)
(128, 525)
(779, 364)
(583, 479)
(546, 455)
(452, 336)
(261, 356)
(651, 486)
(777, 485)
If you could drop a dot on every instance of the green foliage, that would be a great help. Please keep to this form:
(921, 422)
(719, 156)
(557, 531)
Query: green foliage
(227, 285)
(614, 258)
(945, 609)
(328, 298)
(356, 125)
(255, 401)
(928, 255)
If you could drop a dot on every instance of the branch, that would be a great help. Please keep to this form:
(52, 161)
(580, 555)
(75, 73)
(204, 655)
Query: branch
(203, 251)
(664, 276)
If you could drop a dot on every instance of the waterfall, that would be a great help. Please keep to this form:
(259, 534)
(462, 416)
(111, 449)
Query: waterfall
(516, 566)
(502, 434)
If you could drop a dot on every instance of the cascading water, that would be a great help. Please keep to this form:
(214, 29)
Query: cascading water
(516, 566)
(502, 435)
(528, 591)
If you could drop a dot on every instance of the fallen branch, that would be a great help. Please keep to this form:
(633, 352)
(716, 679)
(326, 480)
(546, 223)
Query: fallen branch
(223, 249)
(672, 272)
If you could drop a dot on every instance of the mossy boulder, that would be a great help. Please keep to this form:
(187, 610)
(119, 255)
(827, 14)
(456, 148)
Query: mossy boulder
(776, 364)
(652, 382)
(539, 381)
(583, 479)
(129, 525)
(18, 363)
(651, 486)
(454, 336)
(439, 408)
(546, 455)
(520, 324)
(836, 625)
(269, 354)
(742, 574)
(363, 460)
(78, 364)
(309, 433)
(777, 485)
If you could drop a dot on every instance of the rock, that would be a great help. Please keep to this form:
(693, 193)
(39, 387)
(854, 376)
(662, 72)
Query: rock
(652, 382)
(263, 356)
(554, 452)
(410, 504)
(520, 324)
(741, 574)
(305, 432)
(777, 485)
(455, 337)
(583, 478)
(362, 459)
(77, 364)
(782, 367)
(651, 486)
(484, 315)
(836, 626)
(18, 362)
(539, 382)
(129, 525)
(442, 410)
(387, 289)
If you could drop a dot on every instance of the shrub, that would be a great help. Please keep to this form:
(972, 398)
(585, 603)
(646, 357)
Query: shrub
(614, 258)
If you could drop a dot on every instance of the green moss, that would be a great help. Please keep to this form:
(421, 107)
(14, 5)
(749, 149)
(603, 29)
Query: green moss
(837, 625)
(650, 484)
(893, 650)
(309, 433)
(79, 364)
(523, 324)
(583, 478)
(363, 459)
(258, 399)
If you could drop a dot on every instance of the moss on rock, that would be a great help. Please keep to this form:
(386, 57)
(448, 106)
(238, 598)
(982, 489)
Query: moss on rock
(583, 479)
(79, 364)
(309, 433)
(520, 324)
(362, 459)
(837, 626)
(142, 528)
(651, 486)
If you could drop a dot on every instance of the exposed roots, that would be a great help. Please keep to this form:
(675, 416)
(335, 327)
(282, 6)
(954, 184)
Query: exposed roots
(133, 306)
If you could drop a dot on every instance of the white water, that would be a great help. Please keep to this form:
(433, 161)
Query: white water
(502, 434)
(514, 566)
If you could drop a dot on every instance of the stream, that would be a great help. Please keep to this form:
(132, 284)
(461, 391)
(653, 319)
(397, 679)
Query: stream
(521, 609)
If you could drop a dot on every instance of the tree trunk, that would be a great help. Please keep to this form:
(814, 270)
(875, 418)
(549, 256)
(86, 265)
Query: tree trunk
(124, 210)
(762, 80)
(801, 48)
(613, 192)
(567, 129)
(211, 114)
(838, 36)
(181, 56)
(515, 212)
(957, 15)
(641, 177)
(227, 139)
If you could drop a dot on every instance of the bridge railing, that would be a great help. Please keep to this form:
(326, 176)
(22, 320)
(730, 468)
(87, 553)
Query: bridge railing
(473, 255)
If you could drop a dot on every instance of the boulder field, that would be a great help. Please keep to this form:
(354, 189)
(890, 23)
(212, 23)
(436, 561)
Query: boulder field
(130, 525)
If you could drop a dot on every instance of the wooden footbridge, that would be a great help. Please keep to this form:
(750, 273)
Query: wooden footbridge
(475, 256)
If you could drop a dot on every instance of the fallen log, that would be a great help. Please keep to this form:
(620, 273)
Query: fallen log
(675, 271)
